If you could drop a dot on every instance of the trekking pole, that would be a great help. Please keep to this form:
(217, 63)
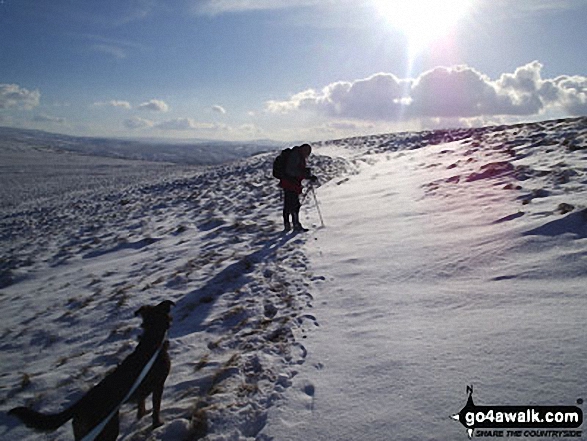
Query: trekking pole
(317, 205)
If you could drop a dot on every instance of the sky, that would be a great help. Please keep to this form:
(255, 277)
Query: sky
(287, 70)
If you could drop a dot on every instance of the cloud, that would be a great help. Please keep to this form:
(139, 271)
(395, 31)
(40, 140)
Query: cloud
(134, 10)
(106, 13)
(113, 47)
(462, 91)
(16, 97)
(442, 92)
(251, 129)
(155, 106)
(110, 49)
(182, 124)
(569, 92)
(449, 92)
(42, 118)
(527, 93)
(216, 7)
(539, 6)
(380, 96)
(219, 109)
(135, 123)
(114, 103)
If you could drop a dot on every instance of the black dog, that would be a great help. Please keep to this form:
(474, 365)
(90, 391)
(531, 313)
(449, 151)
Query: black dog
(106, 397)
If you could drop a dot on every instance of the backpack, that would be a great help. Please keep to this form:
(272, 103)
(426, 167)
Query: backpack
(280, 163)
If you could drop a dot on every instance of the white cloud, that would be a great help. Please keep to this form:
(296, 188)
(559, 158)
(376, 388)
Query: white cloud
(110, 49)
(178, 124)
(219, 109)
(114, 103)
(443, 92)
(113, 47)
(521, 91)
(570, 92)
(135, 123)
(216, 7)
(154, 105)
(450, 92)
(14, 96)
(108, 14)
(250, 130)
(380, 96)
(462, 91)
(377, 97)
(182, 124)
(134, 10)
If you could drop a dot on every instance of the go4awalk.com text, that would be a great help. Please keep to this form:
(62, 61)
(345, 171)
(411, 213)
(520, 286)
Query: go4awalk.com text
(539, 433)
(520, 421)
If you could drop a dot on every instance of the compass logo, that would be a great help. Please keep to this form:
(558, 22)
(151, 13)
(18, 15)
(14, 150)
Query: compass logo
(513, 421)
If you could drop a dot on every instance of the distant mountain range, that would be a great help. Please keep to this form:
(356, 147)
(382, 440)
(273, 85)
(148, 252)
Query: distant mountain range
(195, 152)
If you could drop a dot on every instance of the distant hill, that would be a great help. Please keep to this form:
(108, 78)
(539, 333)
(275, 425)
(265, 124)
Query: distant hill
(197, 152)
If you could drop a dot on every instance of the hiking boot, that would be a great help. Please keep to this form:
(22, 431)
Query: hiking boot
(297, 226)
(299, 229)
(286, 227)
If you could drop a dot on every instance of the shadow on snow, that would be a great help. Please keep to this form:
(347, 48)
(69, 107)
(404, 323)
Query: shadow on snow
(193, 309)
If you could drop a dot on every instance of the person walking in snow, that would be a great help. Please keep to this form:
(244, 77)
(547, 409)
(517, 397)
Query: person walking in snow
(295, 171)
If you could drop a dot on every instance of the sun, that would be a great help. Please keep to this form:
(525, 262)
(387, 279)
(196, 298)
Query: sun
(422, 21)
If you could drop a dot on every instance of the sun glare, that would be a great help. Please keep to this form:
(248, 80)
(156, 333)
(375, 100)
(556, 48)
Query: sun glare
(422, 21)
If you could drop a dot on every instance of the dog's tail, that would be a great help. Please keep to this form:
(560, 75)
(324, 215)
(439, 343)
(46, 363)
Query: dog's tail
(40, 421)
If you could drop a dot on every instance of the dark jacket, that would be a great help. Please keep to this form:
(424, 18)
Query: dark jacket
(295, 171)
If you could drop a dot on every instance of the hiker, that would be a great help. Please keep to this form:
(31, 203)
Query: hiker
(291, 182)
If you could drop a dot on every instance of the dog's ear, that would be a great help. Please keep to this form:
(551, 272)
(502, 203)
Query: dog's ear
(165, 305)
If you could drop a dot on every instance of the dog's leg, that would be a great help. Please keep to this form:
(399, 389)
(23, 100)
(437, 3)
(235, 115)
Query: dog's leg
(141, 412)
(80, 427)
(157, 396)
(110, 432)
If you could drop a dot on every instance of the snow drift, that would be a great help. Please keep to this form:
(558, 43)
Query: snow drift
(448, 258)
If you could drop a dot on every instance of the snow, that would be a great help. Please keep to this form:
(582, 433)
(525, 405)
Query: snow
(429, 285)
(447, 259)
(188, 151)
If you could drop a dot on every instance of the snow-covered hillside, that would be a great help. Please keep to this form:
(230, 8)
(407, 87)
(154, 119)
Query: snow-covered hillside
(448, 258)
(456, 264)
(195, 152)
